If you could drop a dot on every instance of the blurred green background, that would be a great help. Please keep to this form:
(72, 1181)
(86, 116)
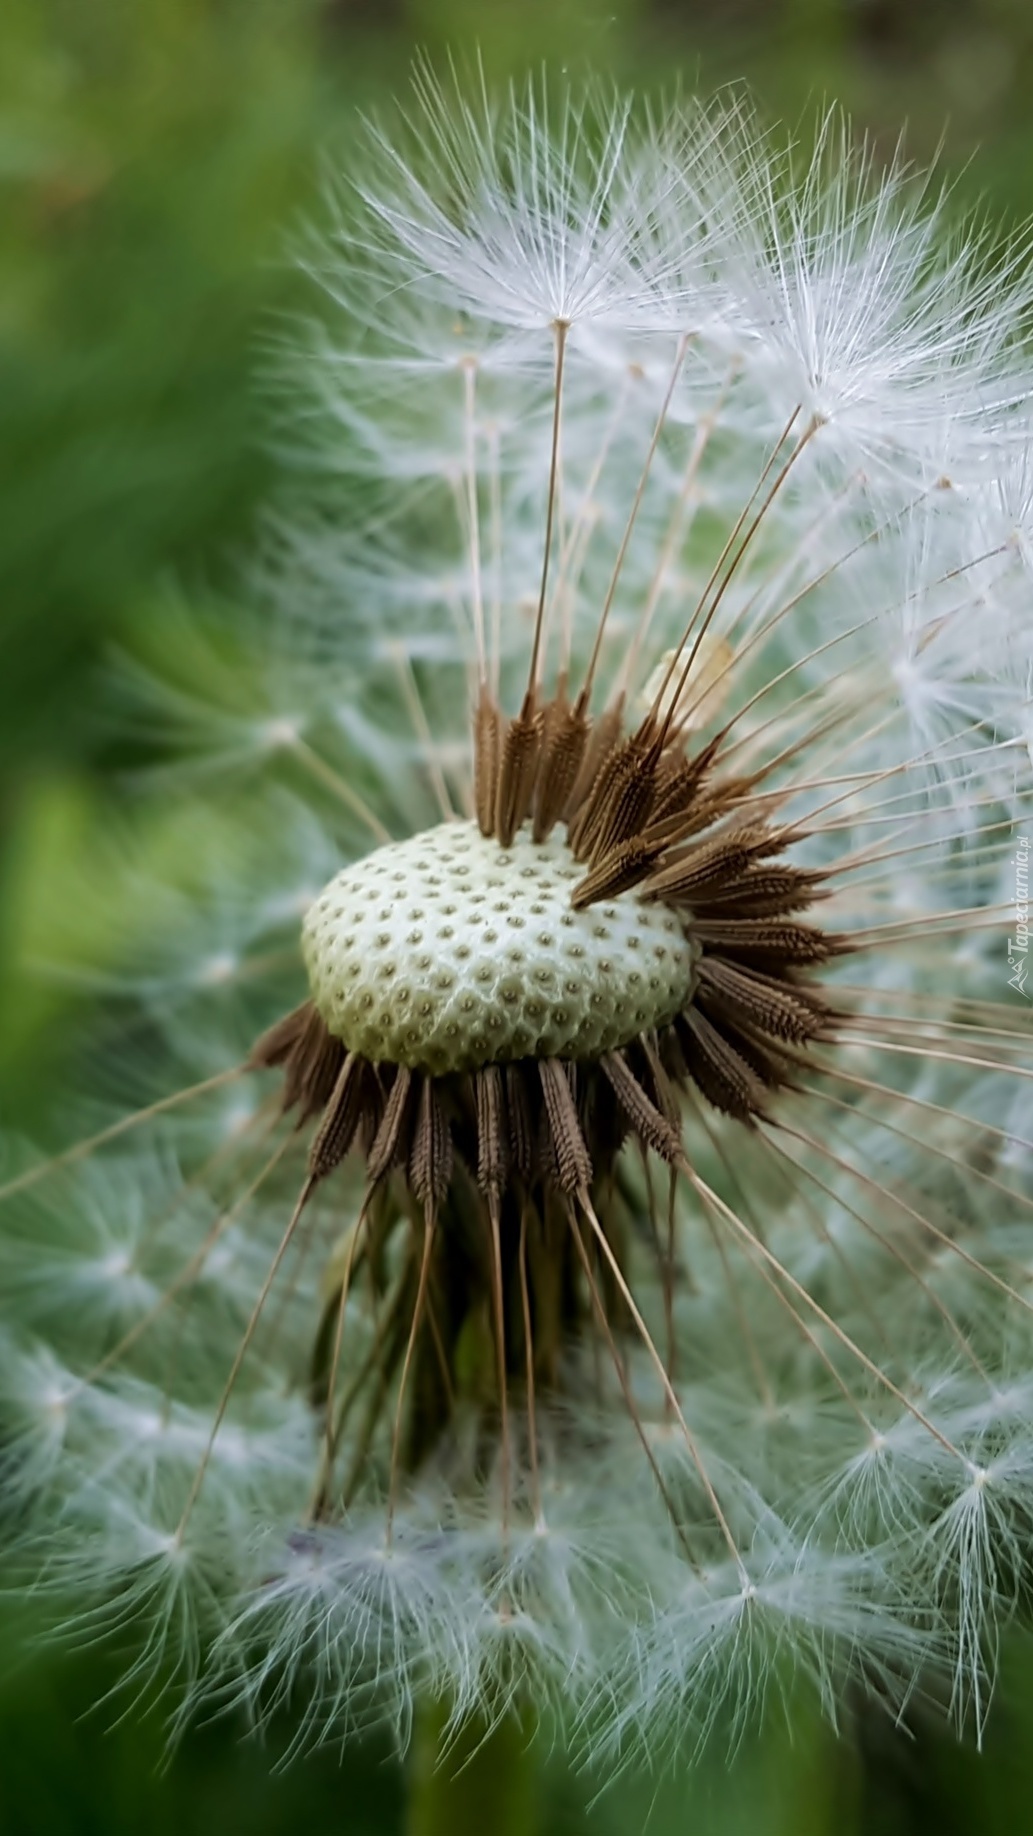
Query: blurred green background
(154, 155)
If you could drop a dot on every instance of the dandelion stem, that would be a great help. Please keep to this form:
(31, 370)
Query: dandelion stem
(471, 1772)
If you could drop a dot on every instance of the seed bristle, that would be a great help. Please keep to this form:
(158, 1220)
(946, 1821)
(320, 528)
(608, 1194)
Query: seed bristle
(521, 1126)
(767, 943)
(646, 1120)
(762, 892)
(619, 802)
(311, 1058)
(573, 1161)
(751, 998)
(340, 1120)
(604, 735)
(709, 867)
(430, 1156)
(487, 726)
(567, 735)
(624, 867)
(725, 1078)
(492, 1146)
(275, 1046)
(681, 779)
(518, 770)
(390, 1145)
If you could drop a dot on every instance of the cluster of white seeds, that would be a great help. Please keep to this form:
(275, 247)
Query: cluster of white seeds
(447, 952)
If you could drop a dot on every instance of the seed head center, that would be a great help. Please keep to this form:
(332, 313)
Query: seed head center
(447, 951)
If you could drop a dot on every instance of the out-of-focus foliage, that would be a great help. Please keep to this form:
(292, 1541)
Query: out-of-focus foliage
(154, 155)
(152, 158)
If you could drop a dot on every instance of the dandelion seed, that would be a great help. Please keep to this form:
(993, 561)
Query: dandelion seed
(620, 1275)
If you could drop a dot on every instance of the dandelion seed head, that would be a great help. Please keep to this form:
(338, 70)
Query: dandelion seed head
(566, 1239)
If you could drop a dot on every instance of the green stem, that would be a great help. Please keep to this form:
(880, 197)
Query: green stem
(473, 1778)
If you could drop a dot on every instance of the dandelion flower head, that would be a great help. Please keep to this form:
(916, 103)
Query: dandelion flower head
(555, 1222)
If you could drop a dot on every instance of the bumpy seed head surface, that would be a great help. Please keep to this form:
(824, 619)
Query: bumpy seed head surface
(446, 952)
